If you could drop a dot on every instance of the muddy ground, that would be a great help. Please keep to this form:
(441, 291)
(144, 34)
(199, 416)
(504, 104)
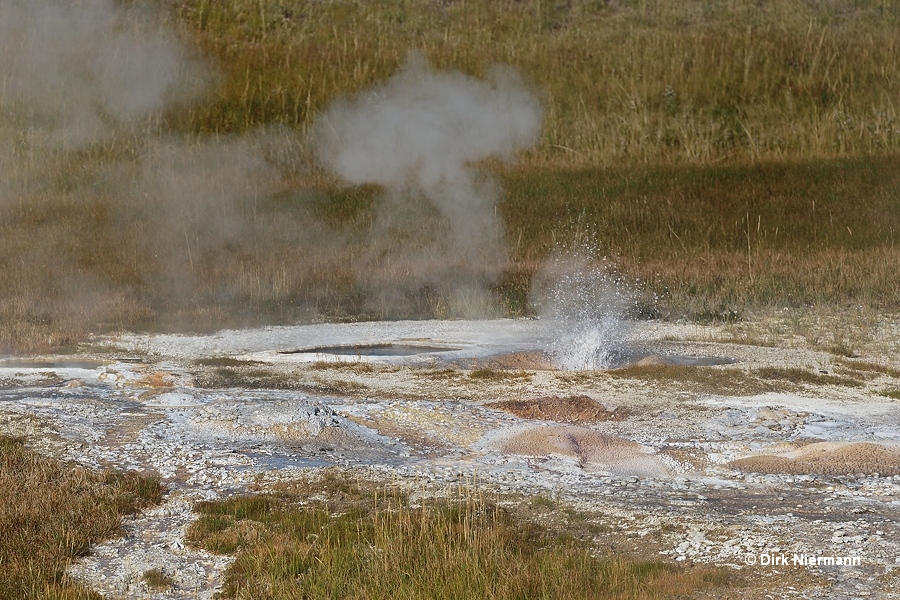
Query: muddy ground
(739, 446)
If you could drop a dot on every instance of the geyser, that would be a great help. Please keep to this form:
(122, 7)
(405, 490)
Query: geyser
(582, 306)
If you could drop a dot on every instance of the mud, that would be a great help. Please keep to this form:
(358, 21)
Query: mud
(825, 458)
(593, 451)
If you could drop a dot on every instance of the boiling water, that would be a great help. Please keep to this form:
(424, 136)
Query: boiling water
(582, 306)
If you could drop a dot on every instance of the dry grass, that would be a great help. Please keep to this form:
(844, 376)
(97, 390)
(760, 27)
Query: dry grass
(710, 380)
(621, 82)
(157, 579)
(50, 513)
(374, 544)
(728, 158)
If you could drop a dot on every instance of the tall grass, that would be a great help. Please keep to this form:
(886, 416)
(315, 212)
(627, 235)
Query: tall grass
(729, 156)
(646, 81)
(707, 242)
(720, 242)
(50, 513)
(379, 547)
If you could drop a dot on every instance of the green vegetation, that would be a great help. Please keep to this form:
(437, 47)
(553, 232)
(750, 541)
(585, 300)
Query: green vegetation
(373, 544)
(489, 373)
(795, 375)
(51, 512)
(728, 158)
(699, 379)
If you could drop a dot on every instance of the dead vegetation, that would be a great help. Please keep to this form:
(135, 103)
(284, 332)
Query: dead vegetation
(51, 512)
(573, 409)
(335, 537)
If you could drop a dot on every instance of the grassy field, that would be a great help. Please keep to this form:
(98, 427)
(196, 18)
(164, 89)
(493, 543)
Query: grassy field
(725, 158)
(50, 513)
(633, 81)
(366, 541)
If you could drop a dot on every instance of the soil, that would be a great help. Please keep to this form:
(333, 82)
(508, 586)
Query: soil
(727, 469)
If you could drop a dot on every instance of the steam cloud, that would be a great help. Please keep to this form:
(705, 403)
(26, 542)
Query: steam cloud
(73, 71)
(418, 135)
(87, 75)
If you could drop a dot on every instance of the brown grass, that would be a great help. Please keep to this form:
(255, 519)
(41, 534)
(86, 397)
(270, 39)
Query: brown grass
(726, 158)
(50, 513)
(373, 544)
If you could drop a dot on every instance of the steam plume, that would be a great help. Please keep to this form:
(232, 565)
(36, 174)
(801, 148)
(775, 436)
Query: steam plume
(73, 71)
(418, 135)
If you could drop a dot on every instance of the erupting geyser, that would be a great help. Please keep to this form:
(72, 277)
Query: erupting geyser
(582, 306)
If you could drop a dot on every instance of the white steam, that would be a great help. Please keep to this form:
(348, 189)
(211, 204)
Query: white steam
(72, 72)
(418, 135)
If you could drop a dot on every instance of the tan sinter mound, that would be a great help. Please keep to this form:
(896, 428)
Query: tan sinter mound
(593, 450)
(825, 458)
(574, 409)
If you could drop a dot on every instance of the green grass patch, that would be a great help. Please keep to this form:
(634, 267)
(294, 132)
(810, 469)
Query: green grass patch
(804, 376)
(875, 369)
(489, 373)
(357, 366)
(50, 514)
(895, 394)
(712, 380)
(225, 362)
(376, 545)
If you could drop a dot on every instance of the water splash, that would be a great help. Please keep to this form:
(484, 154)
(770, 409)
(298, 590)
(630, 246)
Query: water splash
(582, 305)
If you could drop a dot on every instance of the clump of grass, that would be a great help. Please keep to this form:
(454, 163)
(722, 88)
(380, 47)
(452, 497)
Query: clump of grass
(712, 380)
(225, 361)
(342, 365)
(157, 579)
(50, 513)
(799, 376)
(250, 378)
(468, 548)
(895, 394)
(489, 373)
(870, 367)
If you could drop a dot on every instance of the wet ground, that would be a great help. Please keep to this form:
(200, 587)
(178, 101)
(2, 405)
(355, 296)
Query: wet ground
(694, 448)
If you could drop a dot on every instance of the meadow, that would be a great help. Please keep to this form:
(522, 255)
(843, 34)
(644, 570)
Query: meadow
(726, 159)
(365, 540)
(50, 514)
